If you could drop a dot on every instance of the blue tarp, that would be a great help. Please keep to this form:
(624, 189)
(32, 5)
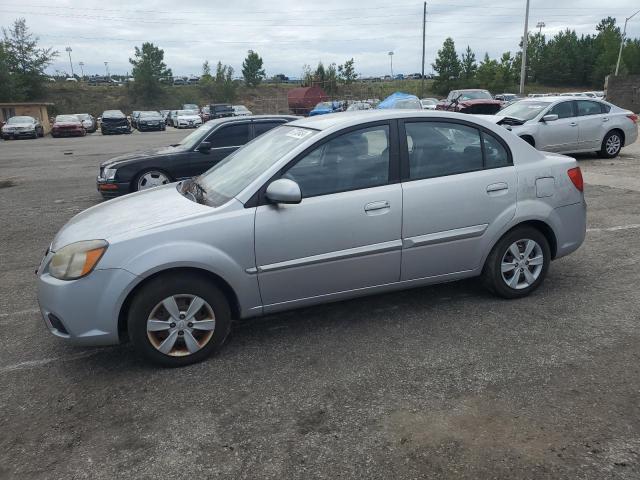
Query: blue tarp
(398, 97)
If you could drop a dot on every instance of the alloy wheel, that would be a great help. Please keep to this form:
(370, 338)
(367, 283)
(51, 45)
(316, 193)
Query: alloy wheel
(613, 144)
(181, 325)
(522, 264)
(152, 179)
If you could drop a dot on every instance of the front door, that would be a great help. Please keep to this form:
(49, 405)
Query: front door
(459, 190)
(560, 135)
(345, 234)
(224, 140)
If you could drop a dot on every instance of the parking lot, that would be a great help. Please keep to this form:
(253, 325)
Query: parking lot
(439, 382)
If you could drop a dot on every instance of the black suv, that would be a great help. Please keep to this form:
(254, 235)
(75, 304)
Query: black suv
(114, 121)
(195, 154)
(220, 110)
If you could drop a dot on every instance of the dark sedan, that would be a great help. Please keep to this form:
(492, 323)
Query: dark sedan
(146, 121)
(195, 154)
(114, 121)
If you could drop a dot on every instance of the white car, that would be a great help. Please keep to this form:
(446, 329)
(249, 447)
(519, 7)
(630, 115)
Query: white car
(186, 119)
(241, 111)
(570, 124)
(429, 103)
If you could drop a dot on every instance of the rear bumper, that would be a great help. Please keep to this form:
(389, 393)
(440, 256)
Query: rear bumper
(570, 227)
(84, 311)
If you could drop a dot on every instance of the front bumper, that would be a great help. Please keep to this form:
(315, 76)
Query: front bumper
(145, 126)
(115, 128)
(192, 124)
(18, 134)
(111, 188)
(67, 133)
(84, 311)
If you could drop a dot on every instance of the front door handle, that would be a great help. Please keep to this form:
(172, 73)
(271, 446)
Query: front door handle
(573, 124)
(374, 206)
(605, 119)
(497, 187)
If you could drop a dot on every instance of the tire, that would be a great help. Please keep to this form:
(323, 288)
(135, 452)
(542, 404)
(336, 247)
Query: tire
(148, 304)
(506, 284)
(611, 144)
(136, 185)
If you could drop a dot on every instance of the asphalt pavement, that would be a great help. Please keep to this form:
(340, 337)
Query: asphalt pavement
(439, 382)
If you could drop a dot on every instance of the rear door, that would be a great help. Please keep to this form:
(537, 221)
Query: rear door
(561, 135)
(591, 124)
(459, 189)
(224, 140)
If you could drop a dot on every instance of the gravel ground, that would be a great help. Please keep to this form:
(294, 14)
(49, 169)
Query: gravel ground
(439, 382)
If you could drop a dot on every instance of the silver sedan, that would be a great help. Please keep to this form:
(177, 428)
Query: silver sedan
(569, 125)
(317, 210)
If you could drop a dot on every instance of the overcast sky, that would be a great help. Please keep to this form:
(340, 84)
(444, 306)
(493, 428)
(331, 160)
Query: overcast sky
(294, 32)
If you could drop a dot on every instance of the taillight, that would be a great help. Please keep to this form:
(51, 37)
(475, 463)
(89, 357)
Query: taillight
(633, 117)
(575, 174)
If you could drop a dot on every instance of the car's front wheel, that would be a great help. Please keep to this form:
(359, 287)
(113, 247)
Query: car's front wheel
(150, 179)
(518, 263)
(178, 319)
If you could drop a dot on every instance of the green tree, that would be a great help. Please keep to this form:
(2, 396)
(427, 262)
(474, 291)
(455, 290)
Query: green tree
(320, 75)
(607, 44)
(631, 56)
(307, 76)
(448, 67)
(148, 68)
(7, 86)
(252, 70)
(331, 82)
(347, 72)
(24, 62)
(468, 65)
(225, 87)
(206, 69)
(207, 84)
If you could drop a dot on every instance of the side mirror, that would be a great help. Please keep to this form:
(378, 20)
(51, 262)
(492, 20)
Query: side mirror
(284, 190)
(204, 147)
(552, 117)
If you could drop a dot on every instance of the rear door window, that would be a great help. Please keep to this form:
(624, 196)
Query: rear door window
(587, 107)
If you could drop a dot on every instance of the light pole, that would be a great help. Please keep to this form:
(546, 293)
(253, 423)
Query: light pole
(540, 25)
(624, 34)
(106, 66)
(68, 49)
(391, 59)
(525, 38)
(81, 68)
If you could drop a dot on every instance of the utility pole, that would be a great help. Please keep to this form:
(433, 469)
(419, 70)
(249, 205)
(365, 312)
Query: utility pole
(525, 38)
(68, 49)
(540, 25)
(424, 26)
(624, 34)
(81, 68)
(391, 58)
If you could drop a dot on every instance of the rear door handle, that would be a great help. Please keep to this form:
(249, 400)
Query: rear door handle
(605, 119)
(573, 124)
(497, 187)
(374, 206)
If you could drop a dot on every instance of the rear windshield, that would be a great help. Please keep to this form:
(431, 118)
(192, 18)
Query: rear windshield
(475, 95)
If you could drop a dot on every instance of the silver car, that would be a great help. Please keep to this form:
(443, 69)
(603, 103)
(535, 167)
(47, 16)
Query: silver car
(569, 125)
(321, 209)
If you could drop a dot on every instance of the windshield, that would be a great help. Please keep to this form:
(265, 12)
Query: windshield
(186, 112)
(66, 118)
(475, 95)
(524, 110)
(194, 138)
(228, 178)
(83, 116)
(408, 103)
(113, 114)
(429, 101)
(149, 114)
(20, 120)
(324, 105)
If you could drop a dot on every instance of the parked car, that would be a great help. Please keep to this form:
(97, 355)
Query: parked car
(470, 101)
(400, 100)
(179, 81)
(196, 153)
(71, 80)
(506, 97)
(322, 108)
(568, 125)
(164, 114)
(186, 119)
(190, 106)
(205, 113)
(114, 121)
(88, 122)
(241, 111)
(22, 126)
(314, 211)
(150, 120)
(169, 118)
(355, 106)
(134, 118)
(67, 126)
(220, 110)
(429, 103)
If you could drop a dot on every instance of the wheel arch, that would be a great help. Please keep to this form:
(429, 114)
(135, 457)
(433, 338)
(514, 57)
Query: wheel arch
(217, 280)
(619, 131)
(529, 139)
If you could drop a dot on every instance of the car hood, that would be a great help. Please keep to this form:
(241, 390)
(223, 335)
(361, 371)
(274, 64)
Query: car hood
(127, 157)
(188, 117)
(150, 119)
(67, 124)
(18, 125)
(479, 101)
(130, 213)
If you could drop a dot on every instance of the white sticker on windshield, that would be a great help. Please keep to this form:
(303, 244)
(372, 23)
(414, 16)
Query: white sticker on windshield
(298, 133)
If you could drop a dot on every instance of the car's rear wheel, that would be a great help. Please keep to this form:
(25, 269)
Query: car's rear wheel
(175, 320)
(518, 263)
(150, 179)
(611, 144)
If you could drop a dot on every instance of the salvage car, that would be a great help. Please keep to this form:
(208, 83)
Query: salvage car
(470, 101)
(566, 125)
(67, 126)
(196, 153)
(114, 121)
(241, 111)
(186, 119)
(149, 120)
(88, 122)
(22, 126)
(317, 210)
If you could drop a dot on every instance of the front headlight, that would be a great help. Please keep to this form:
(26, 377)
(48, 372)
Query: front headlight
(109, 173)
(77, 259)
